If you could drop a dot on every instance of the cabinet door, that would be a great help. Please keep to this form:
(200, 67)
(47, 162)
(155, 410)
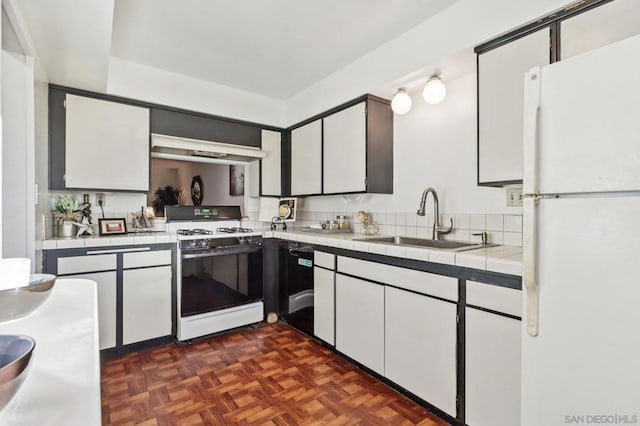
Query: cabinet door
(345, 150)
(101, 137)
(106, 305)
(500, 105)
(271, 165)
(420, 347)
(599, 26)
(360, 321)
(146, 304)
(306, 159)
(492, 369)
(324, 304)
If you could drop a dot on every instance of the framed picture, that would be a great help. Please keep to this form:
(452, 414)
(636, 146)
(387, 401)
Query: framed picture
(236, 180)
(112, 226)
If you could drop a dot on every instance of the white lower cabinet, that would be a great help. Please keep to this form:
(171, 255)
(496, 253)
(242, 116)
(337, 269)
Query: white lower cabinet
(420, 347)
(146, 304)
(106, 305)
(492, 369)
(360, 321)
(324, 304)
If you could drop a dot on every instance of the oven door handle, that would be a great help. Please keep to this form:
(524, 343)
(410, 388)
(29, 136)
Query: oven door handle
(216, 254)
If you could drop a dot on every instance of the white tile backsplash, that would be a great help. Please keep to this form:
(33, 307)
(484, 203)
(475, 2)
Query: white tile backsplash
(495, 222)
(501, 229)
(512, 239)
(411, 219)
(461, 221)
(477, 222)
(512, 223)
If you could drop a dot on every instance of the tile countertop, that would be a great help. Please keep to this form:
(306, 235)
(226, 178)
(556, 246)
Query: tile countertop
(63, 383)
(503, 259)
(114, 240)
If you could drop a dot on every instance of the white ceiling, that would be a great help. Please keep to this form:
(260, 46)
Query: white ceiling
(274, 48)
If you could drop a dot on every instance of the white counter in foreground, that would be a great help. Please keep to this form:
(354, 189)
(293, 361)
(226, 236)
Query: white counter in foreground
(63, 385)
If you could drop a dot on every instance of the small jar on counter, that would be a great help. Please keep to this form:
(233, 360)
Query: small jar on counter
(343, 222)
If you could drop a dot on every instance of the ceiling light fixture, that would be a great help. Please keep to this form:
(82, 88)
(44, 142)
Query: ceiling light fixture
(401, 102)
(434, 91)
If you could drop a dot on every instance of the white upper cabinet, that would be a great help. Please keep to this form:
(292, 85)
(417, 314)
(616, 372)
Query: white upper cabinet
(500, 105)
(271, 165)
(345, 151)
(306, 159)
(599, 26)
(106, 145)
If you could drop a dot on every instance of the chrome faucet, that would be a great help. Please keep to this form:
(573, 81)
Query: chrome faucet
(437, 229)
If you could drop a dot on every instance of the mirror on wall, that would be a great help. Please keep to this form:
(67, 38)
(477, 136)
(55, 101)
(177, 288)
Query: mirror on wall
(198, 183)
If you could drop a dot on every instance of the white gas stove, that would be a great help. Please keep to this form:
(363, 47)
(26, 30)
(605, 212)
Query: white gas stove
(219, 270)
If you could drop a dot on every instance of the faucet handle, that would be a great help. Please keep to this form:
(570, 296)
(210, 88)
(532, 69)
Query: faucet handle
(482, 235)
(444, 229)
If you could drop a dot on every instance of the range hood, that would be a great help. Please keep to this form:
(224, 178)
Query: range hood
(183, 149)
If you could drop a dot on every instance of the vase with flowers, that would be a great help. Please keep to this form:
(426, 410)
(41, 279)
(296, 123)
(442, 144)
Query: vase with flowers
(66, 210)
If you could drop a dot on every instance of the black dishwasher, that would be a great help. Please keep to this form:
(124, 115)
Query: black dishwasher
(296, 285)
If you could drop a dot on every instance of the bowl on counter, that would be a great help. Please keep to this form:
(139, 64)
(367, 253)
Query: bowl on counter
(21, 301)
(15, 355)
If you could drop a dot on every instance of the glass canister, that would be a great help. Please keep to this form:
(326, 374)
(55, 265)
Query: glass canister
(343, 222)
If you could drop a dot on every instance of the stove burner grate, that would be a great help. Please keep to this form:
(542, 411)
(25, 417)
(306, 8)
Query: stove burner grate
(233, 230)
(194, 232)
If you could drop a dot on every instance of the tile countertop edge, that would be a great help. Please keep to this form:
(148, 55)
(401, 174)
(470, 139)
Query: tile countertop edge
(502, 259)
(63, 383)
(118, 240)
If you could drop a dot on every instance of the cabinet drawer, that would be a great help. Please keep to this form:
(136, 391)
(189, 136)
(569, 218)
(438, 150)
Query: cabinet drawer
(82, 264)
(326, 260)
(500, 299)
(147, 258)
(409, 279)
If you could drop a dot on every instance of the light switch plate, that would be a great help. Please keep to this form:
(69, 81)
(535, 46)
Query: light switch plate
(514, 197)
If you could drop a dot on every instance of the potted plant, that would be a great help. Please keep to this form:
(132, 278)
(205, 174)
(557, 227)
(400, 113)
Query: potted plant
(66, 210)
(167, 196)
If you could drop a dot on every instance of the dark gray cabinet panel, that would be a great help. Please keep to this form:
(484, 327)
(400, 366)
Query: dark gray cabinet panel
(199, 126)
(379, 147)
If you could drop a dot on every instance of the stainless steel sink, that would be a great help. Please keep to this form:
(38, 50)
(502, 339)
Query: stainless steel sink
(447, 245)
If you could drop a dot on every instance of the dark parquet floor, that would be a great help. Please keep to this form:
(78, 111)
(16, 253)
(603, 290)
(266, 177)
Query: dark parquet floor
(271, 375)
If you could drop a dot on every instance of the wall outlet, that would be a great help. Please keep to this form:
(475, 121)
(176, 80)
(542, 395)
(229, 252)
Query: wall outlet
(101, 197)
(514, 197)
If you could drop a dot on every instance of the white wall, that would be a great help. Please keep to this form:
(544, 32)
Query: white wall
(142, 82)
(17, 157)
(461, 26)
(434, 145)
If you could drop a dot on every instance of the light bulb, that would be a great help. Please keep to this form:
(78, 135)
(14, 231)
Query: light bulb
(401, 102)
(434, 91)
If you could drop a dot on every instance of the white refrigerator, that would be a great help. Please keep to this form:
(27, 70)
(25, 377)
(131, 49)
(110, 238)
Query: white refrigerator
(581, 240)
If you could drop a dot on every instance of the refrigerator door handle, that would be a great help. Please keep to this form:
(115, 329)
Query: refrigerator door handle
(529, 262)
(530, 130)
(532, 86)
